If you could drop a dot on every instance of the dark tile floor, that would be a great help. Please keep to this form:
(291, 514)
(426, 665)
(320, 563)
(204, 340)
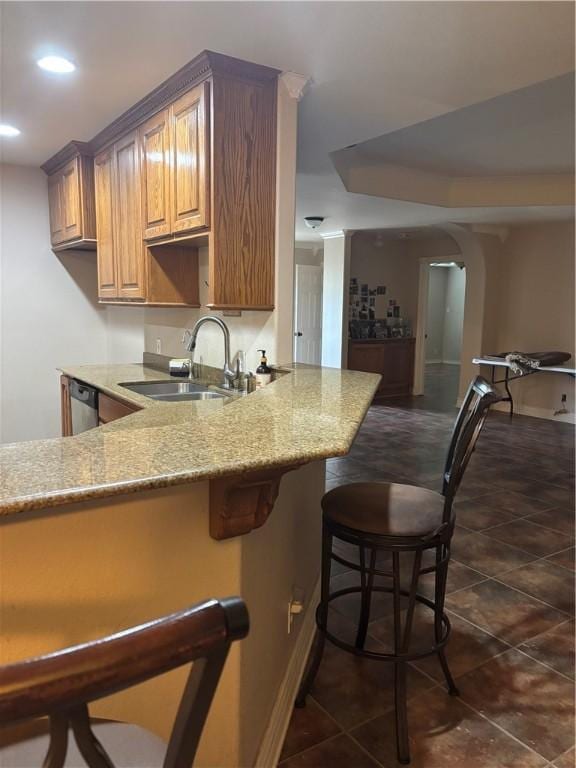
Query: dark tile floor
(511, 603)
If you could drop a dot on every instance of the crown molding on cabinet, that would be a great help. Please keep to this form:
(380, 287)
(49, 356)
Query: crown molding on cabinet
(200, 68)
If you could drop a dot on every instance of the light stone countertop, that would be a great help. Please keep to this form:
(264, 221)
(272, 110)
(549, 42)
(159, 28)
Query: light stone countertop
(309, 413)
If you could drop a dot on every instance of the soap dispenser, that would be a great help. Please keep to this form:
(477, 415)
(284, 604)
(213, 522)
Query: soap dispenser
(263, 372)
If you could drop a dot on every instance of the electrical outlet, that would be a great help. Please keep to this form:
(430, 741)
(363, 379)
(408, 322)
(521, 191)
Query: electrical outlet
(158, 346)
(295, 606)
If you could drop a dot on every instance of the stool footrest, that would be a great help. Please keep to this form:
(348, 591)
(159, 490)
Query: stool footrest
(378, 655)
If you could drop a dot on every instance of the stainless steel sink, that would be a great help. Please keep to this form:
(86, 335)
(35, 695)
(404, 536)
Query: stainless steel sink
(173, 391)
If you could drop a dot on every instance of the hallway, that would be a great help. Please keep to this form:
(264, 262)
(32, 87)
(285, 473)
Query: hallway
(510, 601)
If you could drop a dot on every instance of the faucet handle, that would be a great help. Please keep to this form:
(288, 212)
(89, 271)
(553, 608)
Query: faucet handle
(188, 340)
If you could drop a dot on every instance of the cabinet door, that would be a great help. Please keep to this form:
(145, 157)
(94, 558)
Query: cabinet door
(55, 206)
(70, 196)
(189, 166)
(398, 368)
(155, 169)
(103, 180)
(365, 357)
(128, 244)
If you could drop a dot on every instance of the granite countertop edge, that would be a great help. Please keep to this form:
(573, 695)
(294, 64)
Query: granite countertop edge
(45, 474)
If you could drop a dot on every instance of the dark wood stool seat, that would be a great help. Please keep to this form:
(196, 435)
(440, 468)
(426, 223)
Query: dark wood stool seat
(385, 509)
(405, 523)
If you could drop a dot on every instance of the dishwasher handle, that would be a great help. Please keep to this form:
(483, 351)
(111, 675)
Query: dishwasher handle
(85, 394)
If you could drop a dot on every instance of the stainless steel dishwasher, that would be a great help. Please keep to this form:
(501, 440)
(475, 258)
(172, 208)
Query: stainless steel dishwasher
(84, 406)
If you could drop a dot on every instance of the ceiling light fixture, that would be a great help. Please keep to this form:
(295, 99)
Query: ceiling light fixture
(8, 130)
(313, 222)
(57, 64)
(444, 264)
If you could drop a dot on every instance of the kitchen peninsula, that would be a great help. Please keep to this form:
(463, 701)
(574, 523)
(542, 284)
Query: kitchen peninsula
(136, 518)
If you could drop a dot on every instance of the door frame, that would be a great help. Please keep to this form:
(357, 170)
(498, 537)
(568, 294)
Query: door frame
(422, 317)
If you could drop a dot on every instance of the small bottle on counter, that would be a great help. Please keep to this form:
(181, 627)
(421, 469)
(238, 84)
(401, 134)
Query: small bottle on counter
(263, 372)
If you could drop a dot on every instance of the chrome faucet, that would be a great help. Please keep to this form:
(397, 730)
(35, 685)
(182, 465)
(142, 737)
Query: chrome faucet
(189, 340)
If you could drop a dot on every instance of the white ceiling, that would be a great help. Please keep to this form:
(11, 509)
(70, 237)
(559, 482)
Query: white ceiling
(529, 131)
(376, 67)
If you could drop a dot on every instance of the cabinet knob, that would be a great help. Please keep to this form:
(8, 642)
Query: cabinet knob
(298, 333)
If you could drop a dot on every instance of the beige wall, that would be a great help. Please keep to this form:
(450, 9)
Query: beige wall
(388, 265)
(396, 264)
(49, 314)
(437, 279)
(453, 314)
(248, 333)
(311, 255)
(534, 303)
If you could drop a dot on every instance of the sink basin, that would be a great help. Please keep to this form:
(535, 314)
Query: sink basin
(173, 391)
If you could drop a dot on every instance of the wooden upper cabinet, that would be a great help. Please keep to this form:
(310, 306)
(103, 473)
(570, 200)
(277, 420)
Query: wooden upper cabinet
(71, 198)
(104, 185)
(155, 169)
(241, 257)
(189, 167)
(55, 206)
(71, 210)
(128, 245)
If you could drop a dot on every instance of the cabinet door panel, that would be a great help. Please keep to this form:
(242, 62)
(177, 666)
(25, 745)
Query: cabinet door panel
(70, 195)
(398, 367)
(128, 245)
(366, 357)
(155, 168)
(189, 167)
(55, 206)
(103, 179)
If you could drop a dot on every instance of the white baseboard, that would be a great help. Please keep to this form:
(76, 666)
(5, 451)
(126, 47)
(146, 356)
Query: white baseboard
(432, 362)
(529, 410)
(451, 362)
(538, 413)
(275, 733)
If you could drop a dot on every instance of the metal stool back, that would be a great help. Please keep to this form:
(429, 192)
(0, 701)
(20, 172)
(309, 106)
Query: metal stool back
(479, 397)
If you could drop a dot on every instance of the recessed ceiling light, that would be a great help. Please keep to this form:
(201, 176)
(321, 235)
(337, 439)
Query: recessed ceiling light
(56, 64)
(8, 130)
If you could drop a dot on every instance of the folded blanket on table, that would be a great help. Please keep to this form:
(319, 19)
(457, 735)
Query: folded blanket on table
(520, 364)
(526, 362)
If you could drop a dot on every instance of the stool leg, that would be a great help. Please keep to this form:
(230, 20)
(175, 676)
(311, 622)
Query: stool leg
(440, 594)
(321, 619)
(400, 705)
(366, 585)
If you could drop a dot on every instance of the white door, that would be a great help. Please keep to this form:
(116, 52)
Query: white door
(308, 314)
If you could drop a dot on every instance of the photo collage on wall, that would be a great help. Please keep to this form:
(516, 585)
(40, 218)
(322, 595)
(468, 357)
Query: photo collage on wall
(372, 315)
(366, 303)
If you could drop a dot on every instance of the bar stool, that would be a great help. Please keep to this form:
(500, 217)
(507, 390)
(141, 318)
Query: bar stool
(405, 521)
(59, 686)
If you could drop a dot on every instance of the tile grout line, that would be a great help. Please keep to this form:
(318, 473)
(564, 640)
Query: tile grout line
(543, 663)
(503, 730)
(343, 732)
(303, 751)
(567, 616)
(536, 559)
(526, 519)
